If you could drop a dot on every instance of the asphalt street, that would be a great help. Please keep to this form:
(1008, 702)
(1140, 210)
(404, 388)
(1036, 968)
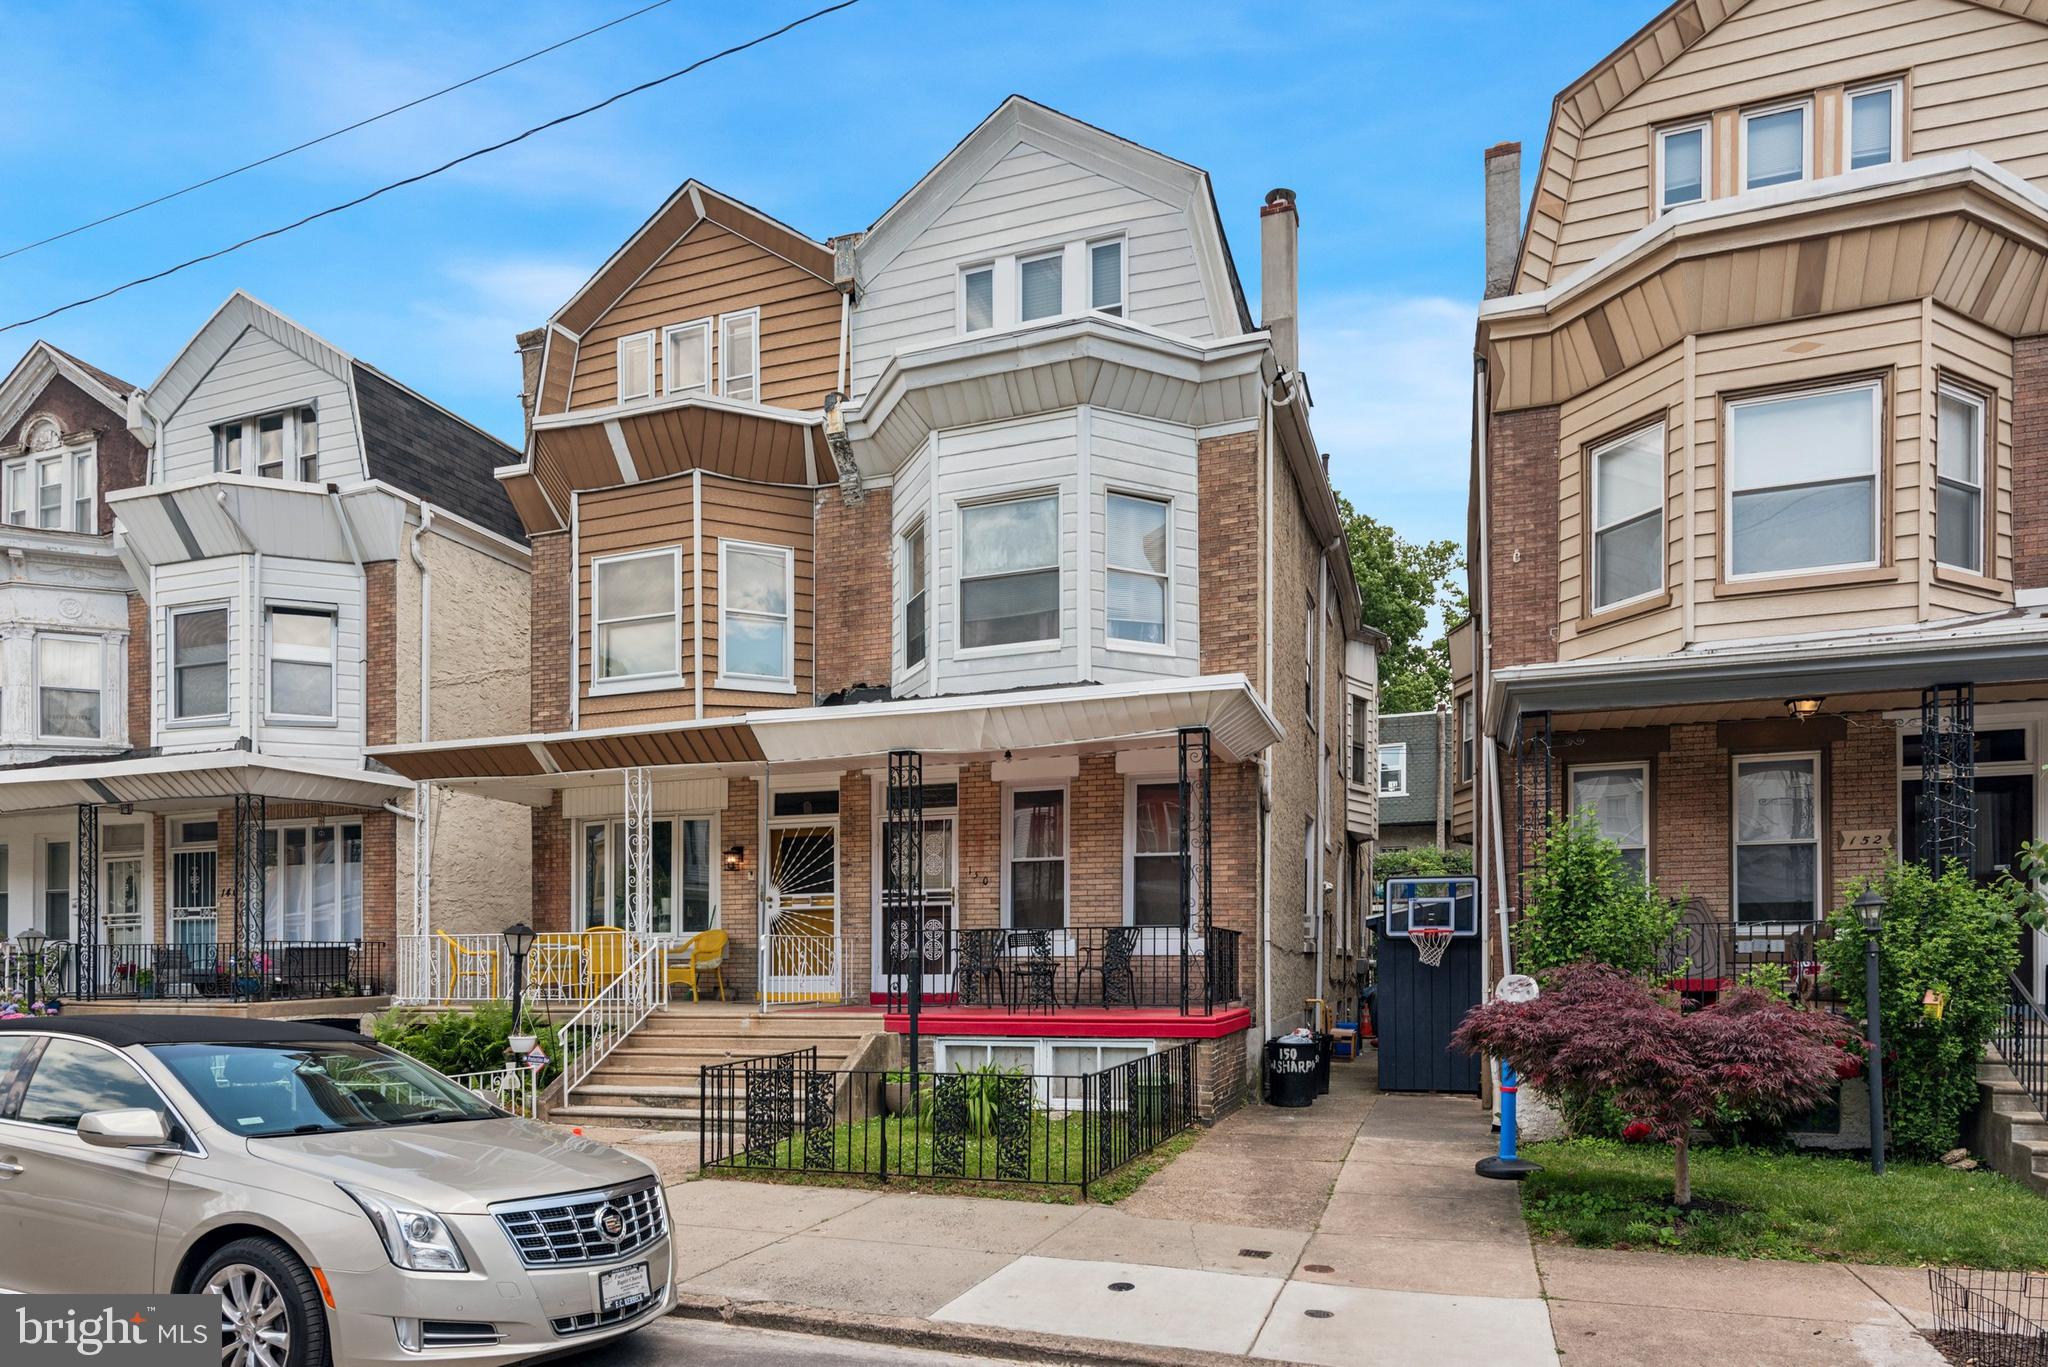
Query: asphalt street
(702, 1344)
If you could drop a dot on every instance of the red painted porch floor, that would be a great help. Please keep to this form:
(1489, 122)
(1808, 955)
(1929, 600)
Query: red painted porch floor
(1072, 1022)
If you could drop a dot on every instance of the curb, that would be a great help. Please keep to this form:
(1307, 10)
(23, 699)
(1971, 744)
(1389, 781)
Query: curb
(903, 1331)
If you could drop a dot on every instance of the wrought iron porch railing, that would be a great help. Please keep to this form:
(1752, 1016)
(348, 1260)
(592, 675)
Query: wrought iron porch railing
(1021, 971)
(268, 970)
(2022, 1043)
(783, 1113)
(52, 969)
(1708, 953)
(590, 1035)
(515, 1088)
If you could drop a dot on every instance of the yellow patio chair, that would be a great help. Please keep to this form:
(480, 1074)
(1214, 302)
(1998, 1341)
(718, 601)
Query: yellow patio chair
(604, 956)
(470, 965)
(702, 953)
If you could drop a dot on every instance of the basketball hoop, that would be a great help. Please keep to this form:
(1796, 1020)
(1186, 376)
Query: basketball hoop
(1431, 943)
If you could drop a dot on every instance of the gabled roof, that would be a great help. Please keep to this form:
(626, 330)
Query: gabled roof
(407, 440)
(39, 365)
(1017, 120)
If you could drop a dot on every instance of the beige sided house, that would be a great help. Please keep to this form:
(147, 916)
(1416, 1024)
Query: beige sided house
(281, 565)
(1760, 509)
(996, 531)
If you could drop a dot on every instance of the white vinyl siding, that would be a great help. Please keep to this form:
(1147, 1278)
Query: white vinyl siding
(1140, 458)
(255, 375)
(319, 586)
(1803, 473)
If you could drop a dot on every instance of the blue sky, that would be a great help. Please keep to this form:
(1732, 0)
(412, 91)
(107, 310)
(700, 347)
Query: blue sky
(1374, 112)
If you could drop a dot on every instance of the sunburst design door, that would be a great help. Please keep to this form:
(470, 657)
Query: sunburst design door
(803, 912)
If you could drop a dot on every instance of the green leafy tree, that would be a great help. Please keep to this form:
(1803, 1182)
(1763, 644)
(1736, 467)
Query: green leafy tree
(1423, 861)
(1587, 903)
(1399, 581)
(1944, 935)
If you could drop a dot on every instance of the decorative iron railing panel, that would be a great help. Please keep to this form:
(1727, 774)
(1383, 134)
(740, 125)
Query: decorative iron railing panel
(1114, 967)
(264, 970)
(2022, 1043)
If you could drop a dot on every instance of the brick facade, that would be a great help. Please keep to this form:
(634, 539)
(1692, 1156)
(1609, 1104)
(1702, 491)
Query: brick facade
(551, 865)
(1221, 1075)
(1230, 553)
(380, 651)
(553, 621)
(2030, 462)
(853, 590)
(1522, 486)
(140, 711)
(123, 461)
(380, 861)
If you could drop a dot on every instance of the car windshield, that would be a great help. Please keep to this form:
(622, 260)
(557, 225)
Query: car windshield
(266, 1090)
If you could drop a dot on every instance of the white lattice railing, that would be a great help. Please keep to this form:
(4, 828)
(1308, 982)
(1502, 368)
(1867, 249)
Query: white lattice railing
(797, 969)
(614, 1013)
(516, 1089)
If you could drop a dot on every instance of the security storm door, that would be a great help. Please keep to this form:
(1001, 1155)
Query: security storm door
(803, 910)
(897, 947)
(121, 887)
(195, 866)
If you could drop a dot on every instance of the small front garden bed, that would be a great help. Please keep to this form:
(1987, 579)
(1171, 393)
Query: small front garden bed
(1750, 1203)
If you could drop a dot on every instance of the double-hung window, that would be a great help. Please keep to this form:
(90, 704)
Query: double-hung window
(17, 493)
(281, 445)
(1960, 465)
(1155, 855)
(227, 449)
(270, 435)
(1618, 798)
(756, 642)
(1681, 165)
(636, 366)
(686, 361)
(309, 446)
(635, 618)
(1394, 769)
(914, 582)
(1873, 127)
(50, 493)
(1041, 286)
(1775, 146)
(1106, 277)
(302, 653)
(85, 490)
(199, 663)
(1465, 729)
(68, 682)
(1035, 887)
(1010, 572)
(1628, 517)
(1803, 472)
(1139, 536)
(1361, 730)
(1777, 839)
(977, 298)
(738, 355)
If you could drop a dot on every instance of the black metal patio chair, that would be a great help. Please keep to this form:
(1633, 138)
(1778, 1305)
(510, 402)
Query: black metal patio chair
(981, 967)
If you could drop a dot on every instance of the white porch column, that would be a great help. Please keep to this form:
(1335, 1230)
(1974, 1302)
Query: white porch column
(639, 851)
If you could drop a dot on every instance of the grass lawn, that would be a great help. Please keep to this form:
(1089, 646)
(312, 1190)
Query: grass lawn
(1801, 1206)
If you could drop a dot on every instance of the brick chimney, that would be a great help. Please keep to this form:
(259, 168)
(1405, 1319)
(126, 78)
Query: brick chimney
(1280, 275)
(1503, 216)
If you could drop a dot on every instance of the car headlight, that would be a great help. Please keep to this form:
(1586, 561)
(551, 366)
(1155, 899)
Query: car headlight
(417, 1240)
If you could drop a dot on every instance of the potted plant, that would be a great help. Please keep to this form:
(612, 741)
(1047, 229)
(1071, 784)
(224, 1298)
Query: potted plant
(896, 1091)
(145, 982)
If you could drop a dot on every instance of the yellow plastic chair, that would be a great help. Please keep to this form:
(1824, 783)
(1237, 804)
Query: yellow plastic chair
(702, 953)
(604, 956)
(470, 965)
(554, 967)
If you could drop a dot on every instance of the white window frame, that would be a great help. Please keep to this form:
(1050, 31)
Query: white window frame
(620, 346)
(172, 717)
(961, 579)
(953, 1053)
(601, 684)
(1948, 389)
(919, 529)
(669, 337)
(61, 463)
(1064, 787)
(753, 377)
(332, 612)
(995, 321)
(1132, 782)
(14, 480)
(1599, 525)
(99, 645)
(785, 682)
(1571, 778)
(1393, 748)
(1165, 645)
(274, 899)
(1122, 307)
(292, 457)
(614, 828)
(1058, 254)
(1705, 128)
(1875, 387)
(1898, 94)
(1736, 843)
(83, 473)
(1804, 104)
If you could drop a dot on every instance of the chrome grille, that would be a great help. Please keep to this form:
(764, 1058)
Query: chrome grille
(559, 1231)
(602, 1319)
(457, 1334)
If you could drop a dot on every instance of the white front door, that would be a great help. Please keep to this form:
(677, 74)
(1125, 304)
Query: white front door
(801, 948)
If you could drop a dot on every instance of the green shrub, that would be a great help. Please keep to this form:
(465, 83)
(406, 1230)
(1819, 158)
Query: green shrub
(1585, 903)
(463, 1042)
(1944, 935)
(1423, 861)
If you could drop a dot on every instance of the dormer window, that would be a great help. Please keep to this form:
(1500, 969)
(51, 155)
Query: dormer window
(1681, 166)
(1106, 277)
(1775, 145)
(738, 342)
(977, 298)
(1040, 286)
(686, 364)
(284, 445)
(636, 367)
(1873, 126)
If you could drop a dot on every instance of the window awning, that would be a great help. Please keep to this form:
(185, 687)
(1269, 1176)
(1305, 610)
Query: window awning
(166, 782)
(1076, 719)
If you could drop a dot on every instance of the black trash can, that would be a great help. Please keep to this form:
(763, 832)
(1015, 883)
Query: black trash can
(1326, 1050)
(1290, 1072)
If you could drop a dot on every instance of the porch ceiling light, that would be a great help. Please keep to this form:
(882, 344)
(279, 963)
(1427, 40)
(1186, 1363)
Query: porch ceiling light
(1802, 708)
(736, 856)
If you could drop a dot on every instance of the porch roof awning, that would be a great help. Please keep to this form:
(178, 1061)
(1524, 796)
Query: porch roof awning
(2005, 647)
(1063, 720)
(162, 782)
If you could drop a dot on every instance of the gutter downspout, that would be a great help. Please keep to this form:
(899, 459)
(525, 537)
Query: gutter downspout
(1265, 474)
(845, 337)
(426, 620)
(252, 589)
(1490, 852)
(355, 554)
(1322, 759)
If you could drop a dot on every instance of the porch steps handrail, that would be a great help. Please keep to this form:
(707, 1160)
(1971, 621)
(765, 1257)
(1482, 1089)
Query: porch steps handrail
(604, 1022)
(2022, 1043)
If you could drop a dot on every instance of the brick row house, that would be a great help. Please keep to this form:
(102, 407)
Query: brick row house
(221, 592)
(1759, 538)
(995, 535)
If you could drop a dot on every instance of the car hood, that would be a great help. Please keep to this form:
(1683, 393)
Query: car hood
(457, 1167)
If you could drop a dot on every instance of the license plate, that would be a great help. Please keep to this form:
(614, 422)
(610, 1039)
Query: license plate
(622, 1286)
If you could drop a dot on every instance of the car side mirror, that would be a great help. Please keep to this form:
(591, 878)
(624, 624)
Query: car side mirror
(133, 1128)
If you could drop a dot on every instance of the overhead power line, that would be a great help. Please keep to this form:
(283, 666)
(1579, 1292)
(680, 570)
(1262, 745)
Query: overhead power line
(327, 137)
(429, 174)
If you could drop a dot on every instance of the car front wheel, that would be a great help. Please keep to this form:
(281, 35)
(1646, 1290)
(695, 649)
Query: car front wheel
(270, 1312)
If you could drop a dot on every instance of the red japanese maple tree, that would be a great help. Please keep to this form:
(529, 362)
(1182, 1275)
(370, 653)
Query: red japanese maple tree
(1595, 1031)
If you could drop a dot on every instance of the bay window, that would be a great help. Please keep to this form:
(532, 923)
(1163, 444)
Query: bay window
(313, 882)
(1960, 465)
(1803, 480)
(636, 366)
(914, 579)
(301, 658)
(756, 639)
(1777, 839)
(1035, 856)
(1681, 165)
(1041, 286)
(1618, 798)
(1153, 898)
(1628, 517)
(1009, 572)
(739, 355)
(199, 663)
(68, 684)
(679, 867)
(686, 364)
(1775, 147)
(635, 617)
(1138, 559)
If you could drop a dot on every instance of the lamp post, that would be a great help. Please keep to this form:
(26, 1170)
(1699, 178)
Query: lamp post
(518, 943)
(31, 942)
(1870, 907)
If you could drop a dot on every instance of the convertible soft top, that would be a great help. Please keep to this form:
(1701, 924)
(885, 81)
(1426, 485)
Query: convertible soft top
(124, 1030)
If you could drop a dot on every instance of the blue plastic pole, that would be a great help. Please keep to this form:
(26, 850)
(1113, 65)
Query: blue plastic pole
(1506, 1166)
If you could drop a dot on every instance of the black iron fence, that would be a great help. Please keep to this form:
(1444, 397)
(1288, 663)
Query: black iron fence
(1088, 966)
(1708, 953)
(783, 1113)
(2022, 1043)
(1991, 1319)
(271, 970)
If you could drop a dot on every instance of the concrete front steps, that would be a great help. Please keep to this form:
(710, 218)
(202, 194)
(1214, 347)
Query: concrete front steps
(652, 1080)
(2006, 1130)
